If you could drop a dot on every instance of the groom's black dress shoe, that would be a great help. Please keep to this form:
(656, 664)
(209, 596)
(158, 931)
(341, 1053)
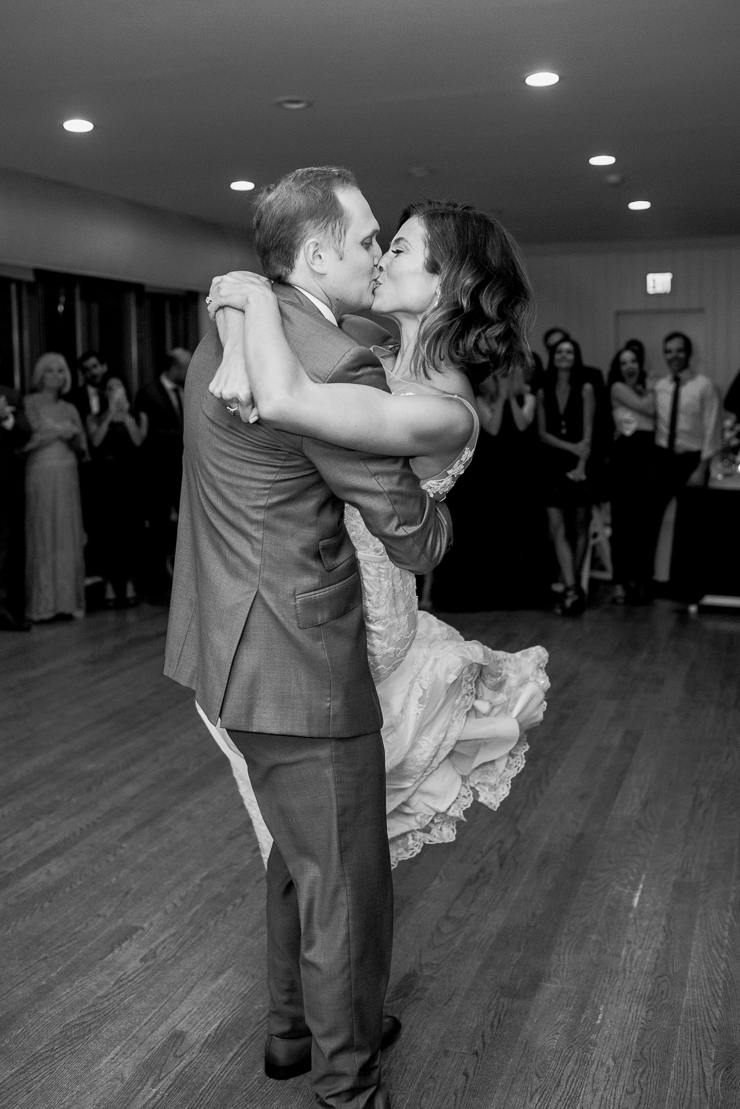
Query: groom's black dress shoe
(289, 1058)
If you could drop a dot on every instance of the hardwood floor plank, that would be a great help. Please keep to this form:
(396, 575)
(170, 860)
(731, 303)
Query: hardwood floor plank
(577, 949)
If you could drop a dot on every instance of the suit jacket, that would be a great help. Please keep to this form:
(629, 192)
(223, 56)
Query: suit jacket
(266, 616)
(80, 398)
(165, 434)
(11, 442)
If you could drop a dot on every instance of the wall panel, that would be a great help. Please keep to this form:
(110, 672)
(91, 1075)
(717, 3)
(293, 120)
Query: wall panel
(51, 226)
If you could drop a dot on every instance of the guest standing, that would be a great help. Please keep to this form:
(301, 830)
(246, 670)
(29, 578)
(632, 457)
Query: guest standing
(14, 434)
(486, 570)
(55, 567)
(633, 476)
(732, 400)
(116, 437)
(688, 429)
(88, 397)
(162, 404)
(565, 420)
(602, 421)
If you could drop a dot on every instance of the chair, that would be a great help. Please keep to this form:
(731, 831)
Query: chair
(598, 543)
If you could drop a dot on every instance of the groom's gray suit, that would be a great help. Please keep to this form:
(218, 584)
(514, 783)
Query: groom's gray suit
(266, 625)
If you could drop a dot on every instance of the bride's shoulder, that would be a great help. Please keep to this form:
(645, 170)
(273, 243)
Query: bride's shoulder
(453, 382)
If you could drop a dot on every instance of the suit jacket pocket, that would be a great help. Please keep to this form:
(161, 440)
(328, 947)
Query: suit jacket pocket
(336, 549)
(322, 605)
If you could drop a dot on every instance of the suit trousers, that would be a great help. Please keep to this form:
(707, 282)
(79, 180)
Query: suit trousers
(329, 903)
(674, 470)
(636, 515)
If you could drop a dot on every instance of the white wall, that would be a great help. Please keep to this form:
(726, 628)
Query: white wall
(581, 287)
(48, 225)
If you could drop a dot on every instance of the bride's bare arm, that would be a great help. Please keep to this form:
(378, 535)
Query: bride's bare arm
(358, 417)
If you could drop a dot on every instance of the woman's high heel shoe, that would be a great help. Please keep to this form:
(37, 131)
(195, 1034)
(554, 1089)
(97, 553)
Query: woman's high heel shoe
(572, 603)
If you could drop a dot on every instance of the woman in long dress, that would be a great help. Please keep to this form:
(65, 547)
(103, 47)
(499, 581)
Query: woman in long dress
(455, 712)
(55, 540)
(483, 570)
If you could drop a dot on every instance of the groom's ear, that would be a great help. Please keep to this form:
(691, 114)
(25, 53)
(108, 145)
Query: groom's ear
(315, 254)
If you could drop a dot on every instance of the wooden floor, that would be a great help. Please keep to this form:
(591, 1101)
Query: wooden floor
(578, 949)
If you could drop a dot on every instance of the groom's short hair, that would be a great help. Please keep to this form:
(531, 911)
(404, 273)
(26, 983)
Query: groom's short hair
(302, 203)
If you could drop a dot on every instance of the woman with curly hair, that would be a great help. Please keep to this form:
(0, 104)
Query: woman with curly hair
(55, 565)
(455, 712)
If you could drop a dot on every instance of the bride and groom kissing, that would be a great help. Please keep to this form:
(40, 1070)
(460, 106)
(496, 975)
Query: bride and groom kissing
(317, 457)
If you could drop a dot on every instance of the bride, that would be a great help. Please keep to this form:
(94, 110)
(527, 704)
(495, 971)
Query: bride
(455, 712)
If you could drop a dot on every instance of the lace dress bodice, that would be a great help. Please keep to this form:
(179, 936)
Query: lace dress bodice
(389, 593)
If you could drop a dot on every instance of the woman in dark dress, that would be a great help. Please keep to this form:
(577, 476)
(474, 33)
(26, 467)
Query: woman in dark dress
(633, 478)
(116, 437)
(497, 559)
(565, 420)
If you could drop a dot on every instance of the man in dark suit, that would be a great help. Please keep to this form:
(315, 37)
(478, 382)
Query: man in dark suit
(266, 626)
(88, 397)
(162, 404)
(14, 434)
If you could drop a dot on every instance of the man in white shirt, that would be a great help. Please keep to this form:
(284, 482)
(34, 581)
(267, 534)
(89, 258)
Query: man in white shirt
(688, 427)
(688, 417)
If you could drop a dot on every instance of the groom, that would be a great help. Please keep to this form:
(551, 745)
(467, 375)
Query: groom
(266, 626)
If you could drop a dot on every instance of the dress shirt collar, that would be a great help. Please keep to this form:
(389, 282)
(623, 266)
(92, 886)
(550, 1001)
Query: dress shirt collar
(325, 312)
(684, 375)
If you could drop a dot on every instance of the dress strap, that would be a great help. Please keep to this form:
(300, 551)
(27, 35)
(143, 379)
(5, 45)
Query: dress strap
(440, 485)
(472, 441)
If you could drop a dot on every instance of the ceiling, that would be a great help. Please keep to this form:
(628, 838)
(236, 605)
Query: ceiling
(182, 97)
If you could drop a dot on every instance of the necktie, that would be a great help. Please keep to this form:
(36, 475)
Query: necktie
(673, 423)
(176, 397)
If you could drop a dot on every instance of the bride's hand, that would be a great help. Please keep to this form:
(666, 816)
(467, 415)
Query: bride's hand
(237, 290)
(231, 384)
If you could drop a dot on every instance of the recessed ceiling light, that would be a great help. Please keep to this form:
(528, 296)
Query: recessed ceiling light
(639, 205)
(420, 171)
(293, 103)
(242, 186)
(602, 160)
(541, 80)
(78, 125)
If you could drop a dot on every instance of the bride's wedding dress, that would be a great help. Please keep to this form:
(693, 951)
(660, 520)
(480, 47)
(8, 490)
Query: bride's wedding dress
(430, 683)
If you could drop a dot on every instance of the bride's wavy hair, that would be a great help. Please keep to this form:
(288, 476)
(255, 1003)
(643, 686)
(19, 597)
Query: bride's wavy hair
(480, 319)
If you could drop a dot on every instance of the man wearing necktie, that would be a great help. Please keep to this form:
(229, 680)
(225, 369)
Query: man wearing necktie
(688, 427)
(162, 401)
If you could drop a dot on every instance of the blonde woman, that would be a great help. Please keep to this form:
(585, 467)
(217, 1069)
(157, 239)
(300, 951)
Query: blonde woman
(55, 567)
